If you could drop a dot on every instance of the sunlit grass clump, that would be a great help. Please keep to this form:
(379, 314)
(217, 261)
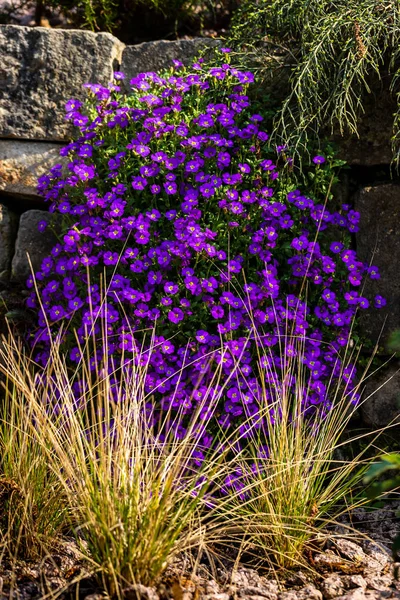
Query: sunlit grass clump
(292, 485)
(33, 510)
(135, 490)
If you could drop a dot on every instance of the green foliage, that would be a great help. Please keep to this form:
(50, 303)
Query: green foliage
(328, 53)
(393, 343)
(388, 466)
(388, 462)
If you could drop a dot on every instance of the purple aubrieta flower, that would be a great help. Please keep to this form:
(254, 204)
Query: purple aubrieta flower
(56, 313)
(73, 105)
(318, 160)
(379, 301)
(139, 183)
(202, 336)
(84, 172)
(176, 315)
(373, 272)
(42, 225)
(170, 188)
(184, 214)
(171, 288)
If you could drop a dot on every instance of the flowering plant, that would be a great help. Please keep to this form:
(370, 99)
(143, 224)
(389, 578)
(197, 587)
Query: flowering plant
(175, 208)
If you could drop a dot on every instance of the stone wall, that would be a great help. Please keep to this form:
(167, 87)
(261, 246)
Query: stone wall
(41, 68)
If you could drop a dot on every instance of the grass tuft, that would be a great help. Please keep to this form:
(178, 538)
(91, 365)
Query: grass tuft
(296, 487)
(32, 508)
(136, 491)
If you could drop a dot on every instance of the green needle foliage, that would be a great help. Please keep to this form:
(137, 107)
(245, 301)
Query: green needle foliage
(329, 52)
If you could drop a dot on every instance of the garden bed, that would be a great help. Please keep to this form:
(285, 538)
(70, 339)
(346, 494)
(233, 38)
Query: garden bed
(349, 568)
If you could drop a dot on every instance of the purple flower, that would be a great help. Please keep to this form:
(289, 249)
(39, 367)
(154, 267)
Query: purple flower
(205, 121)
(42, 225)
(207, 190)
(56, 313)
(379, 301)
(236, 208)
(202, 336)
(373, 272)
(171, 188)
(336, 247)
(139, 183)
(176, 315)
(318, 160)
(171, 288)
(73, 105)
(84, 172)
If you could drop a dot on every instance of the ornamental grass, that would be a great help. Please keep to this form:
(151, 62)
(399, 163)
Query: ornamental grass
(291, 486)
(136, 493)
(33, 507)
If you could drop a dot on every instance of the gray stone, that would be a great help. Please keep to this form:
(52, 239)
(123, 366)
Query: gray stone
(41, 69)
(306, 593)
(349, 550)
(255, 591)
(32, 242)
(354, 581)
(380, 553)
(378, 242)
(244, 577)
(139, 592)
(381, 398)
(381, 582)
(258, 597)
(155, 56)
(374, 562)
(328, 561)
(8, 233)
(211, 587)
(357, 594)
(22, 162)
(332, 587)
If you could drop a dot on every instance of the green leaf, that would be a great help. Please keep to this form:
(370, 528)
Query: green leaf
(387, 463)
(382, 487)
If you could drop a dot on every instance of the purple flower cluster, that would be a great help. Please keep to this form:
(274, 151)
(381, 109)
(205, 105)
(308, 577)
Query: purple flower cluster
(172, 203)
